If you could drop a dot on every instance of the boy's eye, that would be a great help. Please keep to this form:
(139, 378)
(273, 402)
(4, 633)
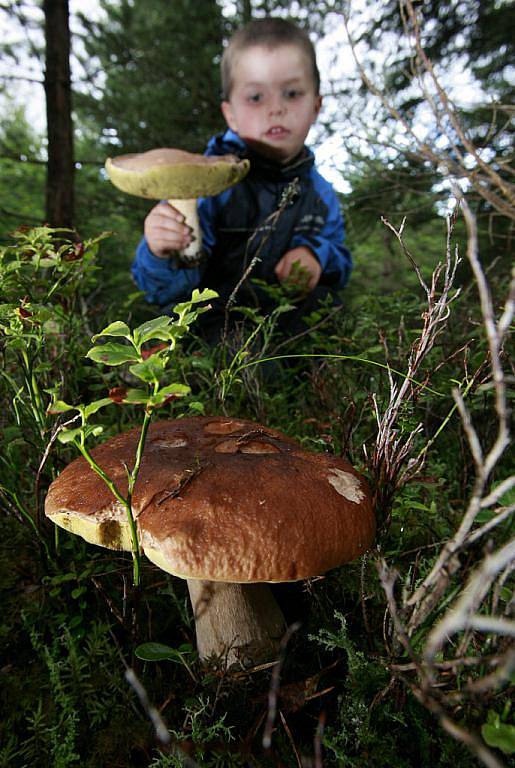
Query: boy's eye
(293, 93)
(254, 98)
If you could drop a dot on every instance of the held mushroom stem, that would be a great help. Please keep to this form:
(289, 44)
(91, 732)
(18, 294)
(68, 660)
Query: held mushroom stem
(192, 254)
(228, 505)
(179, 177)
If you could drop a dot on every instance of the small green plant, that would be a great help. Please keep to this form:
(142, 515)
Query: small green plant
(151, 365)
(44, 277)
(160, 652)
(498, 732)
(202, 727)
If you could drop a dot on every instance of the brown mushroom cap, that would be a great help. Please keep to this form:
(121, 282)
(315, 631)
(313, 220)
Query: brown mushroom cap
(223, 500)
(172, 173)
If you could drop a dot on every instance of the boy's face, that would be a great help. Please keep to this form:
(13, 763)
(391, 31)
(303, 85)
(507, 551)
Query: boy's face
(273, 101)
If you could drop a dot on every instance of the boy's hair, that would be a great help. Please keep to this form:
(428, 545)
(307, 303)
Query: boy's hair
(270, 33)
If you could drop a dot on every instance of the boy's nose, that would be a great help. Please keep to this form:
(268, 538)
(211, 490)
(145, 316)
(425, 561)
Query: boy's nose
(277, 106)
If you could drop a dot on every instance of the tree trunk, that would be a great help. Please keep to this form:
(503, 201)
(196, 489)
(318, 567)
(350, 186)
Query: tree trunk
(246, 11)
(59, 189)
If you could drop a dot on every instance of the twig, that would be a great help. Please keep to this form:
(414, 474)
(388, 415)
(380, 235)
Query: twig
(55, 434)
(267, 227)
(393, 463)
(462, 615)
(274, 686)
(484, 466)
(162, 733)
(154, 716)
(290, 738)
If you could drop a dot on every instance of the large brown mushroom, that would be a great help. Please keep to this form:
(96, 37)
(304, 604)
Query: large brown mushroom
(179, 177)
(228, 505)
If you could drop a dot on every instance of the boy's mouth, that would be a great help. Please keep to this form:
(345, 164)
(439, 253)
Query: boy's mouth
(277, 132)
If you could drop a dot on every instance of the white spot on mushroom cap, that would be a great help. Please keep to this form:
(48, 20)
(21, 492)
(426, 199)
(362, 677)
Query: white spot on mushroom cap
(346, 484)
(227, 446)
(253, 446)
(174, 442)
(258, 446)
(222, 427)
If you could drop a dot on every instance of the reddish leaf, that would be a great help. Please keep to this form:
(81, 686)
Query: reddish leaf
(75, 253)
(118, 394)
(145, 353)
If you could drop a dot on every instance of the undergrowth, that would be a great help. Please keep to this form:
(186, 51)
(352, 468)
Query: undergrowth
(68, 632)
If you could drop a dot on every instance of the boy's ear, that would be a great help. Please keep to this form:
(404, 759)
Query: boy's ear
(318, 105)
(228, 114)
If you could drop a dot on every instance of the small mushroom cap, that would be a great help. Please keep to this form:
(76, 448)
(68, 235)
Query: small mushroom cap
(222, 500)
(164, 173)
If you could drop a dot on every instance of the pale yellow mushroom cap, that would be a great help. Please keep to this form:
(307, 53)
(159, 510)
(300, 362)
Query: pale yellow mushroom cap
(164, 173)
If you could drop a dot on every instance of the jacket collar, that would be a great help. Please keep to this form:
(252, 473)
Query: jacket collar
(261, 167)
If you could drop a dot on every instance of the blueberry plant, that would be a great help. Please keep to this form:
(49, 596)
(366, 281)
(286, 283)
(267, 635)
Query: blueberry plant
(150, 366)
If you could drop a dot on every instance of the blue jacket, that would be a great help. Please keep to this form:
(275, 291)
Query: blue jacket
(229, 220)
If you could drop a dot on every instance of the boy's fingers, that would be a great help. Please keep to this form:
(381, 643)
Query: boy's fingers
(165, 213)
(167, 210)
(282, 268)
(171, 225)
(164, 240)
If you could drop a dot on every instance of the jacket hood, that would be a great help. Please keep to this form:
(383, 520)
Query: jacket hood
(229, 143)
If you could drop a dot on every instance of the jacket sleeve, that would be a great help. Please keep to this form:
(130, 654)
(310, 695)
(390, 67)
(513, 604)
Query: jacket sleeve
(163, 282)
(327, 238)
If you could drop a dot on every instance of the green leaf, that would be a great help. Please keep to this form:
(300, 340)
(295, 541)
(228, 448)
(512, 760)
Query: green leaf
(197, 407)
(136, 397)
(112, 354)
(69, 435)
(158, 328)
(93, 429)
(59, 406)
(158, 652)
(499, 735)
(114, 329)
(418, 505)
(175, 389)
(204, 295)
(149, 370)
(196, 297)
(92, 408)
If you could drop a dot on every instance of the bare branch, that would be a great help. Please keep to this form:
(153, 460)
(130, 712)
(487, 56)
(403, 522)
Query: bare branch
(483, 178)
(393, 462)
(501, 515)
(461, 616)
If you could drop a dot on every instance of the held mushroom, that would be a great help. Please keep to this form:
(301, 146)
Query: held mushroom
(179, 177)
(229, 505)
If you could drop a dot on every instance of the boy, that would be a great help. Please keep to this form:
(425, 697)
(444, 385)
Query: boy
(271, 98)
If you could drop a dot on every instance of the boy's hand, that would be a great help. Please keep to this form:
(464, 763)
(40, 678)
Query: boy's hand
(308, 268)
(165, 230)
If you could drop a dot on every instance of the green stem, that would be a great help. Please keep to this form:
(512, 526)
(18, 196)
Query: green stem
(34, 394)
(28, 518)
(341, 357)
(126, 504)
(444, 422)
(139, 451)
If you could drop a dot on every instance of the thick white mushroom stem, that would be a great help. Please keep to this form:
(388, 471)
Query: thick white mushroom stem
(240, 624)
(191, 255)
